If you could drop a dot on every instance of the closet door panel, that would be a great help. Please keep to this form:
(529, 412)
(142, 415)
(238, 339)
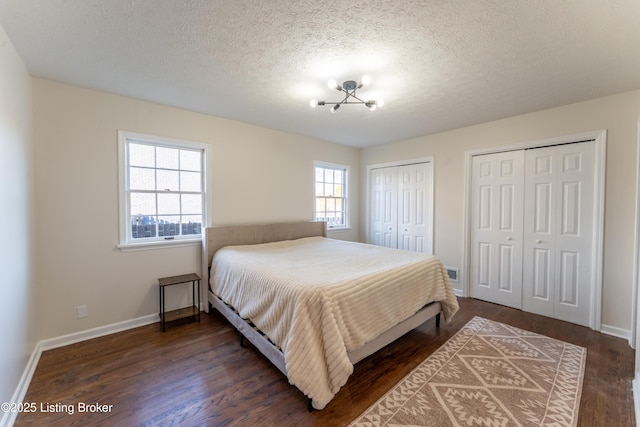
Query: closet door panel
(542, 275)
(558, 222)
(569, 278)
(414, 215)
(384, 195)
(542, 209)
(574, 239)
(483, 258)
(496, 238)
(506, 279)
(540, 206)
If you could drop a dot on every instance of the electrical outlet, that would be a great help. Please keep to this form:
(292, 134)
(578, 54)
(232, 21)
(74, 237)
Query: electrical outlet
(82, 311)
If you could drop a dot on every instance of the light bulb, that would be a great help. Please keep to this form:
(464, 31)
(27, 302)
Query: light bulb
(333, 84)
(313, 103)
(380, 102)
(365, 80)
(334, 108)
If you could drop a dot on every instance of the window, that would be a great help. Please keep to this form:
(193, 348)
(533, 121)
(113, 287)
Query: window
(331, 194)
(162, 190)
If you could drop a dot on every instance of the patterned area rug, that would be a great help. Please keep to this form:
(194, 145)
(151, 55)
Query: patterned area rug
(488, 374)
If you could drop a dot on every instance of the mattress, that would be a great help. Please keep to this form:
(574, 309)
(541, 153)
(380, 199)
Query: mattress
(318, 299)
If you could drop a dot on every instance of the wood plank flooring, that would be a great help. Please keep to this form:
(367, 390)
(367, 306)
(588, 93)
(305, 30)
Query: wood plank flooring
(198, 375)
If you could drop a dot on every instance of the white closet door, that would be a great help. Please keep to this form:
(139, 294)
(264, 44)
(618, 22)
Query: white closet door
(497, 227)
(384, 202)
(414, 207)
(559, 231)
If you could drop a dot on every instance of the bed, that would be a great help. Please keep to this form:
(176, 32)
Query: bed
(315, 306)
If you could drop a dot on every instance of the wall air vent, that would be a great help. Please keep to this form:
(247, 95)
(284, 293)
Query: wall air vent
(453, 274)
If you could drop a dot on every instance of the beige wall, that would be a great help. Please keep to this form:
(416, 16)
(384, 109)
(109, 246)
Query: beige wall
(618, 114)
(257, 175)
(17, 294)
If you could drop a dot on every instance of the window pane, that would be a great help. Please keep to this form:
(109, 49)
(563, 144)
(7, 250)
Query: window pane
(191, 224)
(319, 174)
(338, 176)
(331, 205)
(142, 155)
(328, 190)
(142, 179)
(167, 158)
(143, 227)
(328, 175)
(143, 204)
(190, 181)
(319, 189)
(191, 204)
(320, 205)
(168, 226)
(168, 180)
(191, 160)
(337, 190)
(169, 204)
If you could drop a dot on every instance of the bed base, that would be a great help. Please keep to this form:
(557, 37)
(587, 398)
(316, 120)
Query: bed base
(249, 333)
(276, 357)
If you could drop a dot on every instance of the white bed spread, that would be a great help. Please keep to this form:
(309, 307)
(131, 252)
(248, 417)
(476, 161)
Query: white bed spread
(319, 298)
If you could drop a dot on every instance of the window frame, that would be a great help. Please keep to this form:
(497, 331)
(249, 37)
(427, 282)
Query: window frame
(126, 242)
(346, 170)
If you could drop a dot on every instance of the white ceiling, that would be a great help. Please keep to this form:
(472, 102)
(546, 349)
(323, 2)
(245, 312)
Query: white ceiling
(438, 65)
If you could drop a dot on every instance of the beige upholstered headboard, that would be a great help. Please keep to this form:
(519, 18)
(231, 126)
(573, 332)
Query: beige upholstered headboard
(214, 238)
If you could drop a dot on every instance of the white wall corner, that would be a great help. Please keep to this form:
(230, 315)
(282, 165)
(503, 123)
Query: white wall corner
(9, 417)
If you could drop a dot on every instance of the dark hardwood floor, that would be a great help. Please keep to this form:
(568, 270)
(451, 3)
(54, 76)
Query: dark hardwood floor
(198, 375)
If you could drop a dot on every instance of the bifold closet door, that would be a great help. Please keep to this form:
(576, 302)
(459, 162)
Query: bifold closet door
(558, 239)
(402, 207)
(414, 207)
(384, 207)
(497, 227)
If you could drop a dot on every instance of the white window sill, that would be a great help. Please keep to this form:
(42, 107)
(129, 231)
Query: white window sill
(330, 230)
(164, 244)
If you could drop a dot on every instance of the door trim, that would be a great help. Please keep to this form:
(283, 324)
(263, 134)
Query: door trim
(634, 339)
(398, 163)
(600, 138)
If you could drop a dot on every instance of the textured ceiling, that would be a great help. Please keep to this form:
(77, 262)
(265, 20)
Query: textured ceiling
(438, 65)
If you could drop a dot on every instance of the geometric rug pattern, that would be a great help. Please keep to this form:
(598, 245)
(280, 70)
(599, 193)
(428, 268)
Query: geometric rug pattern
(487, 374)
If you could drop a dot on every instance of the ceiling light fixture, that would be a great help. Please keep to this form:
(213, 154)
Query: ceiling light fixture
(349, 88)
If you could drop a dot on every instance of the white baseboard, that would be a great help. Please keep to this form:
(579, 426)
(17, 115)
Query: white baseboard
(605, 329)
(616, 332)
(8, 418)
(100, 331)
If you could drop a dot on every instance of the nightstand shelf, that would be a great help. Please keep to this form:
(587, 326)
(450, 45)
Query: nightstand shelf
(180, 313)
